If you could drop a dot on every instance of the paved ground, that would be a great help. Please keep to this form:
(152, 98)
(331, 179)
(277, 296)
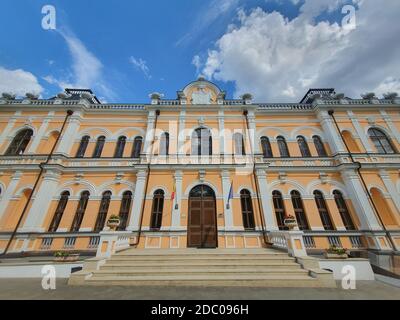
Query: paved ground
(32, 289)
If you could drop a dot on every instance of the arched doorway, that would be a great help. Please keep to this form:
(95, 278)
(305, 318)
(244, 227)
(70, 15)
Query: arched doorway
(202, 221)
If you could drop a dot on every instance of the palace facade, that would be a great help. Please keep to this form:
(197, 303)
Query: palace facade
(199, 170)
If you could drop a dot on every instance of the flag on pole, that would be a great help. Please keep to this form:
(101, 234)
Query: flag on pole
(173, 193)
(230, 195)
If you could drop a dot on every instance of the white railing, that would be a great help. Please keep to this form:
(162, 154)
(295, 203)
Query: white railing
(292, 241)
(278, 239)
(112, 242)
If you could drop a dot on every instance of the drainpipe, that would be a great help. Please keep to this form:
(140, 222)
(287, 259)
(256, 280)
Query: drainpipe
(69, 113)
(331, 113)
(266, 242)
(147, 181)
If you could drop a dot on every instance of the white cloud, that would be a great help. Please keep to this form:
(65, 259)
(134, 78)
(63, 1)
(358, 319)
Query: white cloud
(196, 61)
(279, 59)
(19, 82)
(86, 69)
(214, 11)
(141, 65)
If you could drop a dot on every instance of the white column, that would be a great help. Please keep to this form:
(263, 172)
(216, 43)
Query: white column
(39, 135)
(138, 199)
(176, 211)
(149, 133)
(181, 133)
(70, 133)
(394, 194)
(395, 132)
(266, 201)
(360, 200)
(255, 146)
(41, 203)
(226, 186)
(360, 132)
(330, 130)
(9, 192)
(7, 129)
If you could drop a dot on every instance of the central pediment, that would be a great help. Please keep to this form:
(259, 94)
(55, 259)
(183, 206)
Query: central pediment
(201, 92)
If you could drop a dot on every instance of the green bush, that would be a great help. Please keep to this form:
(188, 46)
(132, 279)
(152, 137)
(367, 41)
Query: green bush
(336, 250)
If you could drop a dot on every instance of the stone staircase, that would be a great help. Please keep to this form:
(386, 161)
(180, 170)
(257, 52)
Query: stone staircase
(201, 267)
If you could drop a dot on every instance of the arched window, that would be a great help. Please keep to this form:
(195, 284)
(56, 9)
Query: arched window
(164, 144)
(266, 147)
(319, 146)
(137, 147)
(19, 143)
(124, 210)
(119, 149)
(80, 211)
(299, 211)
(323, 211)
(283, 148)
(303, 146)
(59, 211)
(157, 210)
(201, 142)
(82, 147)
(103, 210)
(247, 210)
(239, 144)
(381, 141)
(279, 209)
(343, 210)
(99, 147)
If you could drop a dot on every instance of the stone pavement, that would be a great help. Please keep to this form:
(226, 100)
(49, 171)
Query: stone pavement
(32, 289)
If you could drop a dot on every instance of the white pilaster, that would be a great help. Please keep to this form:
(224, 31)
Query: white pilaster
(255, 146)
(221, 127)
(226, 186)
(330, 130)
(40, 206)
(9, 192)
(138, 199)
(149, 133)
(394, 194)
(70, 133)
(360, 132)
(176, 212)
(7, 130)
(41, 132)
(360, 201)
(266, 201)
(181, 133)
(395, 132)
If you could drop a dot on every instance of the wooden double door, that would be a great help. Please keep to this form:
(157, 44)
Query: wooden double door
(202, 221)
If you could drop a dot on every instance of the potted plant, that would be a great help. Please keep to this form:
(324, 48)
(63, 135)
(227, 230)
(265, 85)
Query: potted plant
(71, 257)
(290, 222)
(60, 256)
(113, 222)
(335, 252)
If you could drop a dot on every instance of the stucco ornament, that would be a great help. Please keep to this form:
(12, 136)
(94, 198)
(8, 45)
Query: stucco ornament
(202, 96)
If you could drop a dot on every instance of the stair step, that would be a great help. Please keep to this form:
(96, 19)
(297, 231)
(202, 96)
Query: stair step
(208, 280)
(198, 258)
(198, 251)
(204, 271)
(210, 264)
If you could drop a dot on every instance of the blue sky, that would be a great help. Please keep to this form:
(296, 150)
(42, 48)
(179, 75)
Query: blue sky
(125, 50)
